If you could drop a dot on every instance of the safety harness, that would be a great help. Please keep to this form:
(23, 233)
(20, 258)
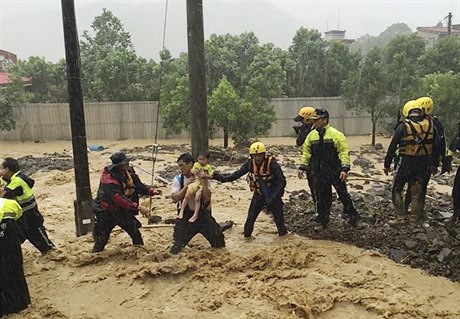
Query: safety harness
(260, 177)
(419, 138)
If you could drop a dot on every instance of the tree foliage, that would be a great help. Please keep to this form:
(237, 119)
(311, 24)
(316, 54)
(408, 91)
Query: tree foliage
(240, 118)
(49, 80)
(11, 96)
(444, 89)
(366, 90)
(111, 69)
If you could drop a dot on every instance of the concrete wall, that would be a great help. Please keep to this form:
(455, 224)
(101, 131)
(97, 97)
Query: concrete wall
(137, 120)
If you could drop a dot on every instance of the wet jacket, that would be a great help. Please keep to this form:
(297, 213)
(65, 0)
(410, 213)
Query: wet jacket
(267, 179)
(325, 151)
(414, 139)
(119, 190)
(302, 133)
(19, 188)
(9, 209)
(454, 146)
(440, 147)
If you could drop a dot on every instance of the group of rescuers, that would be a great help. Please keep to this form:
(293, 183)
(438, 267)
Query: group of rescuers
(417, 147)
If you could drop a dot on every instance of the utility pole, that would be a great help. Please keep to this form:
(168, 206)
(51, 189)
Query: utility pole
(84, 218)
(449, 23)
(197, 77)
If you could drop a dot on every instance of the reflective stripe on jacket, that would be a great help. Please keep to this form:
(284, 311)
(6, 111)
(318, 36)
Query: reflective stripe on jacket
(326, 149)
(9, 209)
(27, 198)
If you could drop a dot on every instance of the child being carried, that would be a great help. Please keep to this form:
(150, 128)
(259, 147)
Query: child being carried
(195, 189)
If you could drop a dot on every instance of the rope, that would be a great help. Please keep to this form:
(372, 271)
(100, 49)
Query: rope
(155, 144)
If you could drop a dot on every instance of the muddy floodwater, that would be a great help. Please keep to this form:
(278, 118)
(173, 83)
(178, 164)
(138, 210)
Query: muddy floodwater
(382, 269)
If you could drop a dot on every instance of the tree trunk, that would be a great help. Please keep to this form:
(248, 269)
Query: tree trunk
(374, 124)
(225, 137)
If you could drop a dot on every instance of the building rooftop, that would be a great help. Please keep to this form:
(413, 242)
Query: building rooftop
(439, 30)
(5, 79)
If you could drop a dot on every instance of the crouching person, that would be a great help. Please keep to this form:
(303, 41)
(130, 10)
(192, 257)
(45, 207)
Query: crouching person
(14, 293)
(206, 225)
(117, 202)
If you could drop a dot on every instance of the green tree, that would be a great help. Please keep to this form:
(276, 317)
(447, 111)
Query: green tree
(444, 89)
(239, 118)
(366, 90)
(230, 56)
(266, 74)
(401, 56)
(307, 57)
(175, 107)
(338, 63)
(49, 80)
(111, 69)
(11, 96)
(443, 57)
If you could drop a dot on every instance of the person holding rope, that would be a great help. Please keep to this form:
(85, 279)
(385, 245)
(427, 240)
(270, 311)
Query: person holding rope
(117, 202)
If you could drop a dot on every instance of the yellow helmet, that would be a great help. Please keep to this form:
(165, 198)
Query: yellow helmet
(426, 103)
(257, 148)
(304, 114)
(409, 106)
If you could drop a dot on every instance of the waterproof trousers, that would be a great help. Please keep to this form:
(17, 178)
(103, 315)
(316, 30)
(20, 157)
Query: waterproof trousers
(206, 225)
(414, 171)
(31, 224)
(105, 221)
(456, 193)
(14, 293)
(323, 187)
(258, 203)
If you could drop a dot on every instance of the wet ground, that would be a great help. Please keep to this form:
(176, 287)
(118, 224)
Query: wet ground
(433, 246)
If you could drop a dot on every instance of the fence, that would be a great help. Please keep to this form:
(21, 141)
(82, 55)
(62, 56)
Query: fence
(137, 120)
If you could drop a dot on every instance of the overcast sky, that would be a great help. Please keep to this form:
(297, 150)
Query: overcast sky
(34, 27)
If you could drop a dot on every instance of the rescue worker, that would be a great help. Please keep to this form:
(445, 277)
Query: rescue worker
(415, 137)
(266, 181)
(405, 111)
(19, 187)
(206, 225)
(454, 146)
(14, 293)
(326, 154)
(426, 103)
(117, 202)
(440, 148)
(306, 123)
(302, 131)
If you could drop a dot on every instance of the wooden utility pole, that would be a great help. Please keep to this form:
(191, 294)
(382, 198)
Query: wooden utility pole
(449, 23)
(197, 77)
(83, 213)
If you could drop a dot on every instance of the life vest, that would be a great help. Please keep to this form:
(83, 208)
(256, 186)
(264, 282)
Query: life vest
(27, 199)
(9, 209)
(259, 175)
(418, 140)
